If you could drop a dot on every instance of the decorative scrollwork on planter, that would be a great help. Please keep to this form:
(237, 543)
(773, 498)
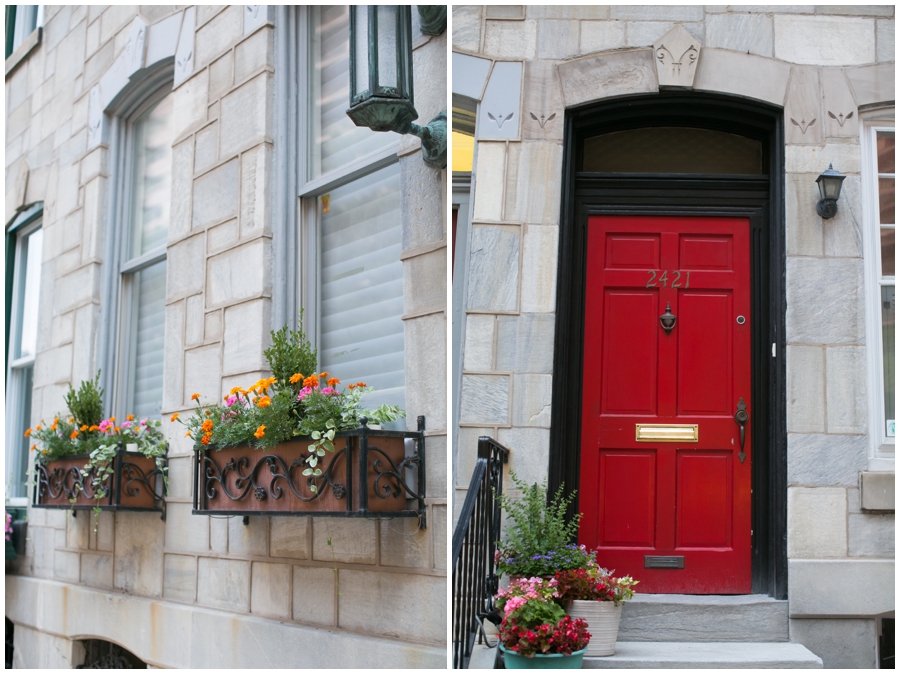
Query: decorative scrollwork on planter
(395, 472)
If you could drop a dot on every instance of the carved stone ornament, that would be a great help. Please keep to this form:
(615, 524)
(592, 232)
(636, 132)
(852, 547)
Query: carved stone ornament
(676, 54)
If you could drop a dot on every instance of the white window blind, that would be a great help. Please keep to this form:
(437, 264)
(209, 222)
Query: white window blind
(361, 285)
(148, 332)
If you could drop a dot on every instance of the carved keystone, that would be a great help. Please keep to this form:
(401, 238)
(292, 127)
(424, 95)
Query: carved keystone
(676, 54)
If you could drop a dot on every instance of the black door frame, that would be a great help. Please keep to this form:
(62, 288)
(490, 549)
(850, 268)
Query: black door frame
(759, 198)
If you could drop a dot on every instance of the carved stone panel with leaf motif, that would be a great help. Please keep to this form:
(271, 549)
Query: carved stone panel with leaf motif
(803, 121)
(676, 54)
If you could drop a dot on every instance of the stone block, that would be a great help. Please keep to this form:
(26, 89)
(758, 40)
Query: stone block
(289, 537)
(202, 370)
(467, 27)
(871, 535)
(246, 336)
(344, 540)
(484, 400)
(529, 454)
(798, 39)
(193, 333)
(511, 12)
(245, 115)
(256, 52)
(270, 590)
(817, 522)
(843, 232)
(566, 12)
(162, 40)
(811, 584)
(479, 351)
(206, 153)
(365, 595)
(744, 75)
(872, 84)
(421, 189)
(842, 644)
(35, 649)
(256, 185)
(646, 33)
(491, 166)
(803, 116)
(223, 583)
(218, 535)
(436, 466)
(173, 372)
(804, 226)
(884, 40)
(557, 39)
(53, 366)
(525, 343)
(62, 329)
(314, 595)
(216, 195)
(438, 525)
(206, 12)
(533, 183)
(542, 109)
(539, 269)
(841, 119)
(191, 100)
(748, 33)
(603, 76)
(219, 34)
(248, 539)
(185, 268)
(182, 174)
(602, 36)
(184, 51)
(425, 370)
(808, 159)
(404, 544)
(500, 112)
(213, 326)
(876, 491)
(532, 395)
(425, 282)
(77, 532)
(816, 459)
(845, 376)
(138, 551)
(224, 286)
(806, 389)
(180, 475)
(657, 12)
(186, 532)
(97, 570)
(221, 75)
(493, 268)
(825, 301)
(510, 39)
(222, 236)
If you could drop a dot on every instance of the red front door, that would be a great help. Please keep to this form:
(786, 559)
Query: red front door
(664, 492)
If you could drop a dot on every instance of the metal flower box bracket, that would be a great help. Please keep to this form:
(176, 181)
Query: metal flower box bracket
(366, 476)
(137, 483)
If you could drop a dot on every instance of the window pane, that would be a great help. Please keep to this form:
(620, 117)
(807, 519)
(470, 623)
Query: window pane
(885, 152)
(30, 279)
(387, 45)
(887, 251)
(887, 333)
(152, 177)
(26, 22)
(463, 152)
(886, 200)
(361, 285)
(148, 336)
(334, 140)
(23, 382)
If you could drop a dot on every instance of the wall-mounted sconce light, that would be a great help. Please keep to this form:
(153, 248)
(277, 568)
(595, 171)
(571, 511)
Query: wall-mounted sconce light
(829, 191)
(381, 78)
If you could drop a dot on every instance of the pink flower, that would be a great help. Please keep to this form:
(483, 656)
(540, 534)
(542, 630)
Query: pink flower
(105, 425)
(513, 603)
(305, 391)
(328, 391)
(144, 421)
(126, 424)
(230, 401)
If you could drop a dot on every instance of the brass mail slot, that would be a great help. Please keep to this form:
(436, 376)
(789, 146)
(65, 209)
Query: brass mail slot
(673, 562)
(666, 433)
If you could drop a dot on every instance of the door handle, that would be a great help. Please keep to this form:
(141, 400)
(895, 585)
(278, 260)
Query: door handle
(741, 417)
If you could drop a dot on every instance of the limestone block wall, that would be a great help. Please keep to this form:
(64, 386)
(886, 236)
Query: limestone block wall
(817, 63)
(377, 584)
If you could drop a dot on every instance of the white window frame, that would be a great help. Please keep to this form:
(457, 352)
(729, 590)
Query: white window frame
(881, 448)
(32, 220)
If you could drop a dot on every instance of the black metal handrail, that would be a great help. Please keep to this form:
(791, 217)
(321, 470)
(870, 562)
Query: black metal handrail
(474, 543)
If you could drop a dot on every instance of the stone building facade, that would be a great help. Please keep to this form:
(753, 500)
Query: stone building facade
(521, 75)
(196, 591)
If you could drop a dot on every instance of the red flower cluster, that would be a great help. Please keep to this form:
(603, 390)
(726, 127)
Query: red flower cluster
(565, 637)
(580, 584)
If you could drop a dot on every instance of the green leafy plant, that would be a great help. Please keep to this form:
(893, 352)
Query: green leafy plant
(593, 584)
(86, 404)
(290, 353)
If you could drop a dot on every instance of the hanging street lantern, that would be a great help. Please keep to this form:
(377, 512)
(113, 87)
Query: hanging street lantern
(830, 191)
(381, 78)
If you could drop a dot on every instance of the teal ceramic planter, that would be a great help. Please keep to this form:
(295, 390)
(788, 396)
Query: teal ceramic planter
(555, 661)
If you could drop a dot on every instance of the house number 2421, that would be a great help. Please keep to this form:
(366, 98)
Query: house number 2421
(664, 278)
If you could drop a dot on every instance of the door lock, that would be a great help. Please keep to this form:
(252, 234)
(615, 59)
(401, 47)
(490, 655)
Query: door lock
(741, 417)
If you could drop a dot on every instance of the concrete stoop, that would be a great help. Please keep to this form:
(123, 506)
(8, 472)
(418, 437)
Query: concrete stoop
(717, 655)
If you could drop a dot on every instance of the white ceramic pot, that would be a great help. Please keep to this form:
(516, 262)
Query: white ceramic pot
(603, 623)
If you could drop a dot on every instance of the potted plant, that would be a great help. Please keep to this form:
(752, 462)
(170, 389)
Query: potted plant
(593, 594)
(299, 442)
(535, 632)
(86, 461)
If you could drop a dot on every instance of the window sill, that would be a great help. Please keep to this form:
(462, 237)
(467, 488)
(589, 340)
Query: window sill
(17, 502)
(23, 50)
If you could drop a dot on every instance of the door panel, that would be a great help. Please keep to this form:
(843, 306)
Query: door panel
(667, 497)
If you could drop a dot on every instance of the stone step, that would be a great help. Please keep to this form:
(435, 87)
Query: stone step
(718, 655)
(704, 618)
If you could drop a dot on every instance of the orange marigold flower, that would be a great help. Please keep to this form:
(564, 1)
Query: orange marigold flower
(351, 386)
(206, 426)
(260, 432)
(84, 427)
(71, 419)
(33, 447)
(209, 413)
(55, 420)
(129, 417)
(174, 417)
(296, 377)
(74, 434)
(38, 427)
(334, 381)
(117, 429)
(323, 374)
(360, 384)
(53, 427)
(94, 428)
(205, 439)
(188, 434)
(235, 390)
(265, 401)
(311, 381)
(195, 396)
(44, 451)
(112, 419)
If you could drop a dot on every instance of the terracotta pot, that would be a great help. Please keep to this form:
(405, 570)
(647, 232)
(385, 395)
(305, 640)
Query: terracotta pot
(513, 660)
(603, 623)
(134, 483)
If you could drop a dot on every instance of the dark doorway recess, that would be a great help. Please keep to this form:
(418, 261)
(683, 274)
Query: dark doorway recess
(758, 197)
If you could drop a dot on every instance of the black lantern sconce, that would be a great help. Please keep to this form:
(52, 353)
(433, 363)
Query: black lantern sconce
(829, 191)
(381, 77)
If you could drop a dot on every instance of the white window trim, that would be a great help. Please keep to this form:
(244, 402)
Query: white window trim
(881, 449)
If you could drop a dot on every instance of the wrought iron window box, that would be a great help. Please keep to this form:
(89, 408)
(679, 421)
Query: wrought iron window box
(244, 481)
(136, 483)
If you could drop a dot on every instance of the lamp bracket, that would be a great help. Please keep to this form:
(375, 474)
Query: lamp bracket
(434, 140)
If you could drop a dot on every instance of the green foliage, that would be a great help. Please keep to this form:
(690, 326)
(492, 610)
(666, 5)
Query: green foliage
(290, 353)
(86, 404)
